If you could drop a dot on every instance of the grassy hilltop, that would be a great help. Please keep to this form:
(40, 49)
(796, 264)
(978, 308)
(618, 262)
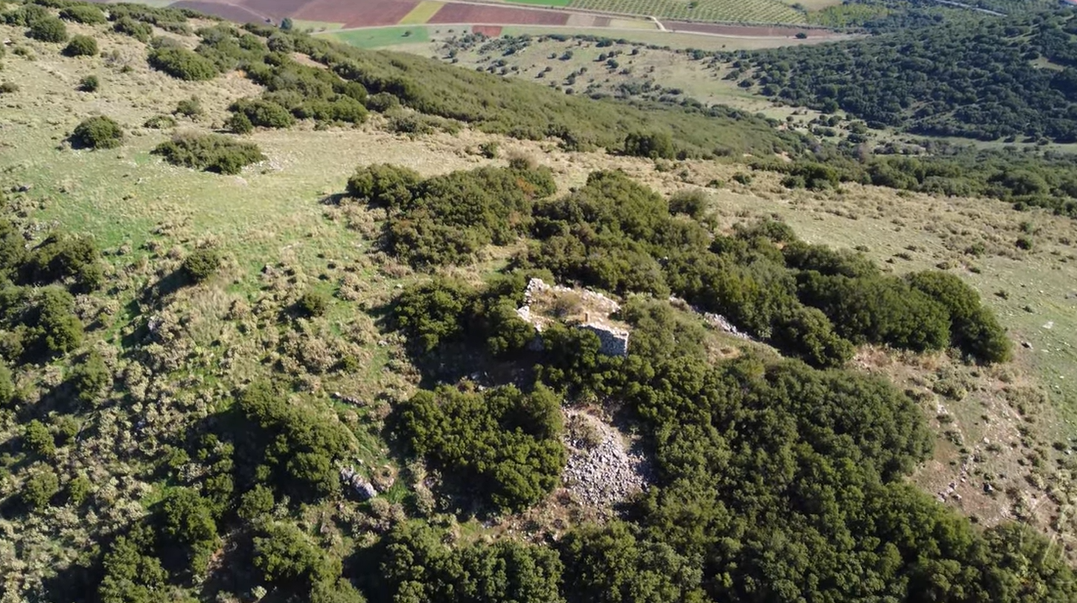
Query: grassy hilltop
(238, 265)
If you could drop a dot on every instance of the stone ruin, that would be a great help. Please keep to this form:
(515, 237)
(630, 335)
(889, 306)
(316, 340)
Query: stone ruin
(593, 314)
(358, 484)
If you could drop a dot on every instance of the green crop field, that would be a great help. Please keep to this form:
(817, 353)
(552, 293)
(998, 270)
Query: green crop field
(382, 36)
(751, 11)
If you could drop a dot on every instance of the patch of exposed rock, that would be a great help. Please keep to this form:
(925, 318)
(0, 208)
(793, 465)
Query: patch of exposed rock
(602, 472)
(544, 303)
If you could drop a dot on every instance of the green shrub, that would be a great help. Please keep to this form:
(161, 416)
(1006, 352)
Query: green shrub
(313, 303)
(90, 83)
(201, 264)
(314, 441)
(974, 328)
(189, 107)
(433, 312)
(211, 152)
(513, 454)
(87, 14)
(65, 257)
(48, 29)
(7, 385)
(97, 132)
(286, 556)
(690, 202)
(56, 328)
(239, 123)
(256, 502)
(160, 122)
(489, 150)
(78, 490)
(187, 524)
(384, 185)
(40, 488)
(654, 145)
(9, 88)
(130, 27)
(37, 439)
(182, 64)
(81, 46)
(263, 113)
(91, 379)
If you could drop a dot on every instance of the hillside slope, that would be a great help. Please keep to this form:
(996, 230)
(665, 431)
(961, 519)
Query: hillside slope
(219, 301)
(985, 78)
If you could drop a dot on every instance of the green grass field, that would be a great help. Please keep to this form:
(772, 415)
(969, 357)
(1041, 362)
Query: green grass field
(383, 36)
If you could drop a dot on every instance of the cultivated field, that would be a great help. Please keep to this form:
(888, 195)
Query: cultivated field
(727, 11)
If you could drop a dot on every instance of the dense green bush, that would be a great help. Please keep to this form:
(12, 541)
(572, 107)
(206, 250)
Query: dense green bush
(974, 328)
(313, 303)
(8, 88)
(417, 566)
(690, 202)
(81, 46)
(99, 132)
(451, 217)
(48, 29)
(289, 447)
(433, 312)
(40, 488)
(502, 441)
(286, 557)
(210, 152)
(189, 107)
(654, 145)
(54, 329)
(130, 27)
(613, 564)
(83, 13)
(91, 378)
(67, 258)
(384, 185)
(182, 64)
(188, 527)
(37, 439)
(263, 113)
(879, 310)
(201, 264)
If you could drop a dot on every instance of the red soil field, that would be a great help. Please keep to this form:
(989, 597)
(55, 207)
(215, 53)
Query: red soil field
(231, 12)
(490, 31)
(355, 13)
(473, 13)
(743, 30)
(277, 9)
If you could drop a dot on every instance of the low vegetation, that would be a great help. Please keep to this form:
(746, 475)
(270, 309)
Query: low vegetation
(291, 387)
(210, 152)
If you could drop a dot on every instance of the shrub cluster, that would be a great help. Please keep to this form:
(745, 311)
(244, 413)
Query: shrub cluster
(504, 442)
(81, 46)
(130, 27)
(296, 444)
(87, 14)
(48, 29)
(182, 63)
(211, 152)
(99, 132)
(446, 219)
